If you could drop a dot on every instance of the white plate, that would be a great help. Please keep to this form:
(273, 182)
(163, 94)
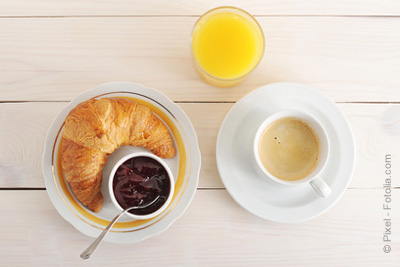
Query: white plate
(185, 166)
(266, 198)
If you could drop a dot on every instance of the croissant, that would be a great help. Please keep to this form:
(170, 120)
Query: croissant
(94, 129)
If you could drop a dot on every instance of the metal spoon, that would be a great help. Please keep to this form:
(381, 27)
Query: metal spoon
(89, 251)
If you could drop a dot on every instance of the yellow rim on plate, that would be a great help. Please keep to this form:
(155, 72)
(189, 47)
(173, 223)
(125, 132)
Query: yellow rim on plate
(180, 184)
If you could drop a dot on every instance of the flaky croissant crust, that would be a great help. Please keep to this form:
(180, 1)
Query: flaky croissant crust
(94, 129)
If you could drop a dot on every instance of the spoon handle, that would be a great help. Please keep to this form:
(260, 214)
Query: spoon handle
(88, 252)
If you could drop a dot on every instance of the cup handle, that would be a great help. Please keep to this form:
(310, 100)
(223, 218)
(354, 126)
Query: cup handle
(321, 187)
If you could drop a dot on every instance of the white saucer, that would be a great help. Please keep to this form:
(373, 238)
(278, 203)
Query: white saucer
(185, 166)
(266, 198)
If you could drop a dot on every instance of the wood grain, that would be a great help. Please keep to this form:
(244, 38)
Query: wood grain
(213, 231)
(22, 134)
(53, 50)
(23, 127)
(195, 7)
(349, 59)
(377, 131)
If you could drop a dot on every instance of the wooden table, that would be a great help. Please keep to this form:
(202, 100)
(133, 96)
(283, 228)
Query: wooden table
(50, 51)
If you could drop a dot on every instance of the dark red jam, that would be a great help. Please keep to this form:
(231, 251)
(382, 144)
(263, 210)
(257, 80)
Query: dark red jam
(139, 181)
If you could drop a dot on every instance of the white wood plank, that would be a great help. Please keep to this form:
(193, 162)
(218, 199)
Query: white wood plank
(377, 130)
(213, 231)
(196, 7)
(23, 127)
(347, 58)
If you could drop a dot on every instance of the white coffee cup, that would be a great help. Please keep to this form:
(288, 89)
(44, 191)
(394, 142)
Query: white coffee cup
(313, 178)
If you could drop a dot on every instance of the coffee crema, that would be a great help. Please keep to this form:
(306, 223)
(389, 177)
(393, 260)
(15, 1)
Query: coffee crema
(289, 149)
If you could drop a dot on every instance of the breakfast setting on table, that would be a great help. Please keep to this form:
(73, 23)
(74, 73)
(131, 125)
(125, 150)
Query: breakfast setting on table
(123, 164)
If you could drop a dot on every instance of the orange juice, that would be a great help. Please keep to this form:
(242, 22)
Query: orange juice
(227, 44)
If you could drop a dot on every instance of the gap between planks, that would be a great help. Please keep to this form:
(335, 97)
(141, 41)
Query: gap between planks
(198, 189)
(194, 16)
(196, 102)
